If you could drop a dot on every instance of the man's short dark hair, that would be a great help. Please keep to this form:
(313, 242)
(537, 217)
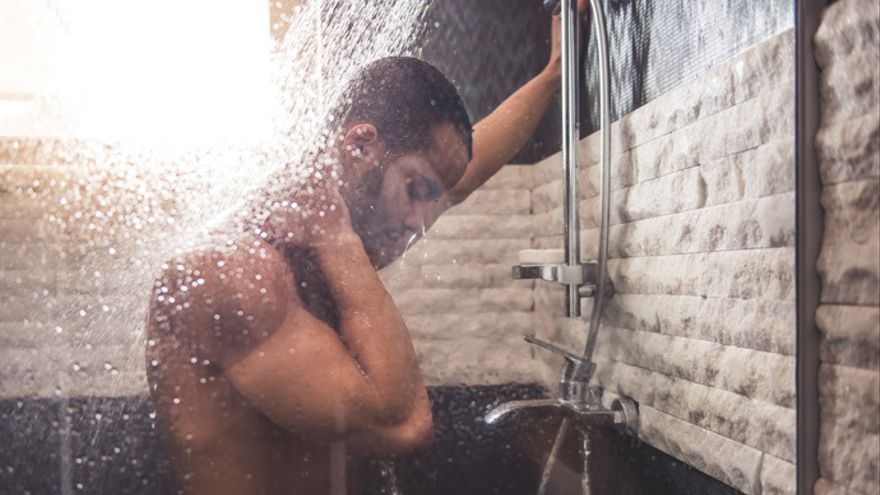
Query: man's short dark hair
(406, 99)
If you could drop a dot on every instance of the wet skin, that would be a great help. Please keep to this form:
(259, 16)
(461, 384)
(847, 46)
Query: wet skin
(272, 362)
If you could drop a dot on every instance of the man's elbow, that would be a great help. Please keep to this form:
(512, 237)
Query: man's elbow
(422, 433)
(415, 434)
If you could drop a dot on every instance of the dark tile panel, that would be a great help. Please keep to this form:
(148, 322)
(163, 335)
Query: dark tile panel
(117, 448)
(29, 447)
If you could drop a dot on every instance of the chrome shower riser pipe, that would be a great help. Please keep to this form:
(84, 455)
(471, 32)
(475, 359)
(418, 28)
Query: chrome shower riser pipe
(570, 136)
(605, 181)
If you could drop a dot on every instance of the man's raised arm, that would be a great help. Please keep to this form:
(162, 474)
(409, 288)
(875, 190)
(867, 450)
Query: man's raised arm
(499, 137)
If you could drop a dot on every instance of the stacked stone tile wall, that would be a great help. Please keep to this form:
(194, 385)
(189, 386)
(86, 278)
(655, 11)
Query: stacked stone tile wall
(701, 330)
(847, 47)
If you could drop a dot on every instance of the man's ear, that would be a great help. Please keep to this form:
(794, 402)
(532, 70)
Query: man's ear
(361, 145)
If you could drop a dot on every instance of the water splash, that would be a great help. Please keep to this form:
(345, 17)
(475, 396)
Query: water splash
(117, 205)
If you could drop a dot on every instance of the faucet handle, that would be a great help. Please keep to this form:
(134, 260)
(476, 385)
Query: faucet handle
(571, 357)
(579, 370)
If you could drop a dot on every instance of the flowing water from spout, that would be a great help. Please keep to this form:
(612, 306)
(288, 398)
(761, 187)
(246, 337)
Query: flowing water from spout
(554, 454)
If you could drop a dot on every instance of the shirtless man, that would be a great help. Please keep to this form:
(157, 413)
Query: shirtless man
(272, 359)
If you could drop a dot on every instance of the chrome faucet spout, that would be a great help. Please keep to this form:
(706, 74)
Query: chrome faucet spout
(500, 412)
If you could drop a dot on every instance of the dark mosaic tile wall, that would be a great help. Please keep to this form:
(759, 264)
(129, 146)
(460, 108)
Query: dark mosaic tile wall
(491, 47)
(113, 446)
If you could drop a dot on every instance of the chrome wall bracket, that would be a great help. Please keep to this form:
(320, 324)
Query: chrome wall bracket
(584, 277)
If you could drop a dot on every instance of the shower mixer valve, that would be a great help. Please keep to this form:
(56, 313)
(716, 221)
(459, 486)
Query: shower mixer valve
(575, 397)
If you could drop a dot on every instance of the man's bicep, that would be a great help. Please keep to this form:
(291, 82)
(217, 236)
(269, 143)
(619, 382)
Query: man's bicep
(305, 380)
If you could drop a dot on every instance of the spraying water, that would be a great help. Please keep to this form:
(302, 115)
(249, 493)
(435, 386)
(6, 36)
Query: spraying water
(121, 203)
(143, 174)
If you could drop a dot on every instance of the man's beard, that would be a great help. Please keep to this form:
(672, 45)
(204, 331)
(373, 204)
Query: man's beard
(365, 214)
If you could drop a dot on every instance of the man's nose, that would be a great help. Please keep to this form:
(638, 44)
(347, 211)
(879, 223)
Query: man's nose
(419, 219)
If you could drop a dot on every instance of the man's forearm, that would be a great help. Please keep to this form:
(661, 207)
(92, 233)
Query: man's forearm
(371, 325)
(499, 137)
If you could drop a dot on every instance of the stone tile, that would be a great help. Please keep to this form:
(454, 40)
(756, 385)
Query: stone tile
(401, 276)
(465, 251)
(759, 70)
(757, 273)
(17, 256)
(849, 456)
(760, 324)
(850, 149)
(547, 196)
(106, 371)
(481, 227)
(31, 307)
(511, 177)
(463, 301)
(469, 276)
(754, 374)
(763, 223)
(850, 335)
(671, 193)
(756, 173)
(845, 27)
(851, 396)
(722, 458)
(28, 283)
(547, 170)
(766, 427)
(766, 118)
(14, 205)
(487, 327)
(32, 372)
(551, 222)
(778, 477)
(30, 231)
(467, 360)
(825, 486)
(852, 212)
(31, 335)
(494, 202)
(850, 86)
(850, 274)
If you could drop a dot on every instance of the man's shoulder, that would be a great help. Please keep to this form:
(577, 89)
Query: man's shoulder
(231, 260)
(221, 277)
(203, 296)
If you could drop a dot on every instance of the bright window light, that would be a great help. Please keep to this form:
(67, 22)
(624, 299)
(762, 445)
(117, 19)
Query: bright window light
(189, 71)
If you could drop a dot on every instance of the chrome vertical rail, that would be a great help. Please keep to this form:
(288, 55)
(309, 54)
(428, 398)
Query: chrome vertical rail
(605, 182)
(570, 137)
